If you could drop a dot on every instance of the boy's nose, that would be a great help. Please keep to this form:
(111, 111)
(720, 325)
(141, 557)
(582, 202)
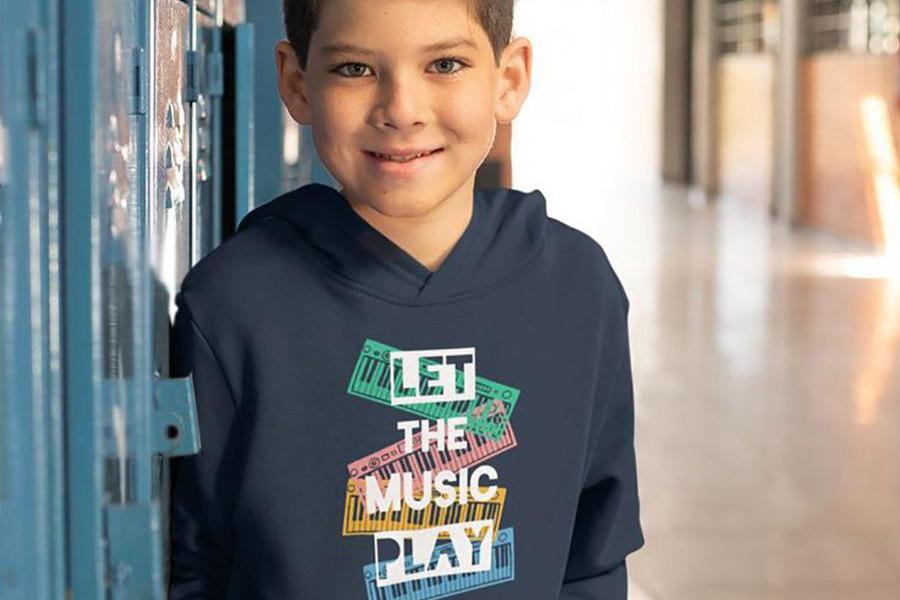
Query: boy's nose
(400, 104)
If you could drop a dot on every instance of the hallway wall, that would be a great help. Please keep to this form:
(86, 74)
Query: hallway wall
(591, 122)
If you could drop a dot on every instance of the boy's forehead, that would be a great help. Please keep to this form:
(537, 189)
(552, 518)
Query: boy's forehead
(418, 25)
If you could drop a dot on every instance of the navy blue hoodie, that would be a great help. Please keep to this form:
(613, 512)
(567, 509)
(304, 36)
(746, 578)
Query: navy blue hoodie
(373, 430)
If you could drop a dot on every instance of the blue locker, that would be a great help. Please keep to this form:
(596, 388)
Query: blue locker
(32, 550)
(134, 179)
(117, 112)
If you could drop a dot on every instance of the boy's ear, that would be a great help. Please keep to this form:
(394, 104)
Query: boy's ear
(291, 82)
(514, 79)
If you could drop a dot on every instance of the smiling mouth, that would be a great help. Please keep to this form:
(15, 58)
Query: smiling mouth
(402, 159)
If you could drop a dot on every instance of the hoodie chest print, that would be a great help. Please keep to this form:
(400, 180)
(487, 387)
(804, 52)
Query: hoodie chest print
(430, 502)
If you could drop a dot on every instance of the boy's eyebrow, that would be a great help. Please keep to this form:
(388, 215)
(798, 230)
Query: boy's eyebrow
(443, 45)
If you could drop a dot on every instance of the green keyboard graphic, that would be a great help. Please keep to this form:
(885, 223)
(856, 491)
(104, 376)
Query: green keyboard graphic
(487, 414)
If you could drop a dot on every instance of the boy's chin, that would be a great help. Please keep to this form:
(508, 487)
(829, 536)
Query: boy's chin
(403, 200)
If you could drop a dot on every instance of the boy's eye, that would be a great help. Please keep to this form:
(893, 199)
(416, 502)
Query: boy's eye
(358, 69)
(450, 60)
(353, 73)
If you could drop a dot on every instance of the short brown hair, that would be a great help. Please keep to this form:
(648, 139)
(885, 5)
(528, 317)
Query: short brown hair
(301, 17)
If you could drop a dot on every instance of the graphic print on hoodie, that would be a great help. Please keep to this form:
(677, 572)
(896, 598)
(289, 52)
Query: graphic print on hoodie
(390, 494)
(372, 429)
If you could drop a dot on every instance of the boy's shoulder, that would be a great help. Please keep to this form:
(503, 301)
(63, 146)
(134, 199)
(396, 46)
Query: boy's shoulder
(253, 250)
(584, 259)
(240, 262)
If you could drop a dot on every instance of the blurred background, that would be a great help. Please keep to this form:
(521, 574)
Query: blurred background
(737, 159)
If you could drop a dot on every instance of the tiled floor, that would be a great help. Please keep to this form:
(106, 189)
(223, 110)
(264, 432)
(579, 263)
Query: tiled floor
(767, 384)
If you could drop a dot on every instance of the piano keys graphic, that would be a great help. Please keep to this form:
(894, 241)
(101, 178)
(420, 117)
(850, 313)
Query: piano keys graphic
(431, 588)
(393, 459)
(358, 522)
(487, 414)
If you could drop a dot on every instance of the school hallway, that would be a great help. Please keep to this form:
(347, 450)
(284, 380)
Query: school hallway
(764, 285)
(767, 392)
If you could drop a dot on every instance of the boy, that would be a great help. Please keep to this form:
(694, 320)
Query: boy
(407, 387)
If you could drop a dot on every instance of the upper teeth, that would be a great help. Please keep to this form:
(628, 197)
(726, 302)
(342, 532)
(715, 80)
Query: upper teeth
(400, 158)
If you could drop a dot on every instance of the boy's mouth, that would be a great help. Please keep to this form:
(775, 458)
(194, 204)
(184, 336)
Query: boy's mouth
(403, 156)
(403, 165)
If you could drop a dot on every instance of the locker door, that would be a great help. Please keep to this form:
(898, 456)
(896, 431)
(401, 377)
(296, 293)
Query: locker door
(122, 412)
(179, 200)
(107, 388)
(31, 469)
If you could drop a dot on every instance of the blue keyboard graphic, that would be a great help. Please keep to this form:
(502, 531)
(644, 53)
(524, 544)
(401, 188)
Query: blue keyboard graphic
(429, 588)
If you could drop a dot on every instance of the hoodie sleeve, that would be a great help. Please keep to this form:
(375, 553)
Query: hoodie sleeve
(607, 526)
(203, 483)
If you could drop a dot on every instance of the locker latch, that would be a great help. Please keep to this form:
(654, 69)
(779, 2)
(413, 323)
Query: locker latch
(176, 432)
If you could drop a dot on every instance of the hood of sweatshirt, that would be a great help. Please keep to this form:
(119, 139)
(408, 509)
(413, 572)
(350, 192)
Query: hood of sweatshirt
(506, 232)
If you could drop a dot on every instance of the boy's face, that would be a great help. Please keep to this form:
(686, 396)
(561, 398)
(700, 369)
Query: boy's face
(391, 95)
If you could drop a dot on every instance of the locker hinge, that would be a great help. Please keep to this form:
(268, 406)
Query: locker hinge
(37, 77)
(133, 532)
(176, 432)
(139, 81)
(192, 76)
(216, 75)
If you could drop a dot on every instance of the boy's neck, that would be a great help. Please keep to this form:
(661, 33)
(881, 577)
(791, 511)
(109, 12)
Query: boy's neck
(428, 237)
